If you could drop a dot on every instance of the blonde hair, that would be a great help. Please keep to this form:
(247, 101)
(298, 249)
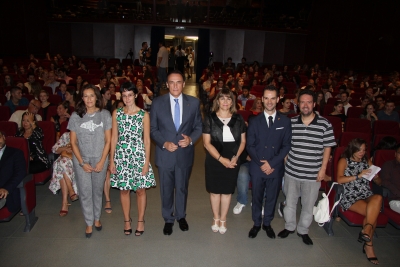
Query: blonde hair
(225, 92)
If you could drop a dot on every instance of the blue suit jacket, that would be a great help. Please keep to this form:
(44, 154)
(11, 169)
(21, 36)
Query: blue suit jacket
(162, 129)
(268, 144)
(12, 172)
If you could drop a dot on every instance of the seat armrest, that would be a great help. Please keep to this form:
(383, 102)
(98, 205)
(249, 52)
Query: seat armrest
(26, 179)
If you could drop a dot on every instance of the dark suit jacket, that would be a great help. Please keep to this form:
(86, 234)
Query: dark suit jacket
(162, 129)
(268, 144)
(12, 172)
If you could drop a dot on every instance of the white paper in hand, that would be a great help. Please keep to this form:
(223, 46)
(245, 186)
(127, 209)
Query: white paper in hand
(374, 170)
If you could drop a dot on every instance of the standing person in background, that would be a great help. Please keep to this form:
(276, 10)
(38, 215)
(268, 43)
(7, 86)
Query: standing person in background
(162, 64)
(175, 127)
(171, 59)
(268, 142)
(191, 61)
(312, 139)
(224, 137)
(90, 127)
(142, 54)
(130, 156)
(180, 59)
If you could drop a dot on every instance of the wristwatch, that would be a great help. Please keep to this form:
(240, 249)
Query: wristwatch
(81, 164)
(356, 176)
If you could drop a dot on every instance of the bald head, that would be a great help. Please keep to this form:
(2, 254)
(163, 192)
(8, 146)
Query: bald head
(34, 106)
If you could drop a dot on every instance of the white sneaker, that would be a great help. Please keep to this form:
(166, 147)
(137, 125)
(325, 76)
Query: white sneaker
(238, 208)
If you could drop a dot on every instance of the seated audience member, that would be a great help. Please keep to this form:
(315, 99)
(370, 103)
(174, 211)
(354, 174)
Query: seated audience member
(229, 65)
(369, 113)
(207, 84)
(8, 81)
(380, 102)
(386, 143)
(63, 174)
(364, 102)
(321, 101)
(344, 97)
(45, 104)
(389, 114)
(215, 90)
(107, 102)
(337, 111)
(51, 82)
(16, 99)
(282, 91)
(61, 116)
(28, 84)
(369, 92)
(146, 100)
(62, 89)
(358, 196)
(111, 78)
(257, 107)
(62, 74)
(242, 98)
(112, 88)
(238, 86)
(117, 104)
(33, 108)
(325, 91)
(12, 172)
(285, 110)
(390, 175)
(78, 82)
(145, 89)
(71, 97)
(34, 134)
(103, 82)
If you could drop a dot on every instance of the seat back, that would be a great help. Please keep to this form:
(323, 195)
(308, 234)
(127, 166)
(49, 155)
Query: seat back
(354, 112)
(5, 113)
(63, 127)
(22, 144)
(21, 108)
(49, 133)
(378, 138)
(357, 125)
(51, 111)
(386, 127)
(383, 155)
(249, 104)
(348, 136)
(55, 99)
(336, 125)
(10, 128)
(245, 114)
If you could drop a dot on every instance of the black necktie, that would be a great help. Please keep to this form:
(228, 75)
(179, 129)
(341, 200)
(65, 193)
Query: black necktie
(270, 122)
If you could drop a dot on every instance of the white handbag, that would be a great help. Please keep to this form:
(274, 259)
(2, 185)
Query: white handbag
(321, 211)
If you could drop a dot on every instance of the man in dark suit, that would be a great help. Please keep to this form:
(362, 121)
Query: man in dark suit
(268, 142)
(175, 125)
(12, 172)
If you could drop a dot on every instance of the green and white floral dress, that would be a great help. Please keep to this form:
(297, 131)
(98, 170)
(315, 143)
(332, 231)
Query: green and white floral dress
(129, 155)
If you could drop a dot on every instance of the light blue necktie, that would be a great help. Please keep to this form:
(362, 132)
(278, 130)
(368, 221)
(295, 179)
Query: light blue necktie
(177, 115)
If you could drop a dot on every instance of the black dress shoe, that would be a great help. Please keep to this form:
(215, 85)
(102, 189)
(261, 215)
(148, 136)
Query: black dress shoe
(306, 239)
(98, 228)
(254, 231)
(88, 235)
(168, 228)
(183, 224)
(284, 233)
(269, 230)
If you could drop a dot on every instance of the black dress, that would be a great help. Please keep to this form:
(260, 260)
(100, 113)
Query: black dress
(219, 179)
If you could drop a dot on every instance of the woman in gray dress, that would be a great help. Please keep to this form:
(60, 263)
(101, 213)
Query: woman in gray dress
(90, 127)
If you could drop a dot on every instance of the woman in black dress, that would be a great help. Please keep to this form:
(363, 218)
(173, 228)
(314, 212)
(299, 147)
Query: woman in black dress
(224, 137)
(34, 134)
(357, 195)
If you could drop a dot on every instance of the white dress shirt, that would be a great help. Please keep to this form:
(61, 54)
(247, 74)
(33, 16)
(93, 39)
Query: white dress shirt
(267, 116)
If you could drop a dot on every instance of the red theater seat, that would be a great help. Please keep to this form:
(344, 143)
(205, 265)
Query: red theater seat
(357, 125)
(10, 128)
(27, 189)
(386, 127)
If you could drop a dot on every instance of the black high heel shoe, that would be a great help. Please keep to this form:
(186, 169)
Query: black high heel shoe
(362, 237)
(372, 258)
(137, 232)
(128, 231)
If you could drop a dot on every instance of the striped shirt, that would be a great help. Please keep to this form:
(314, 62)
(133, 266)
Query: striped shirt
(308, 143)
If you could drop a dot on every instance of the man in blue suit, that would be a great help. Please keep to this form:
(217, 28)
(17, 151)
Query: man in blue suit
(12, 172)
(268, 142)
(175, 126)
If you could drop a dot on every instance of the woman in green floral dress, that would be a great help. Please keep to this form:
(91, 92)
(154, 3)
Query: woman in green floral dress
(130, 156)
